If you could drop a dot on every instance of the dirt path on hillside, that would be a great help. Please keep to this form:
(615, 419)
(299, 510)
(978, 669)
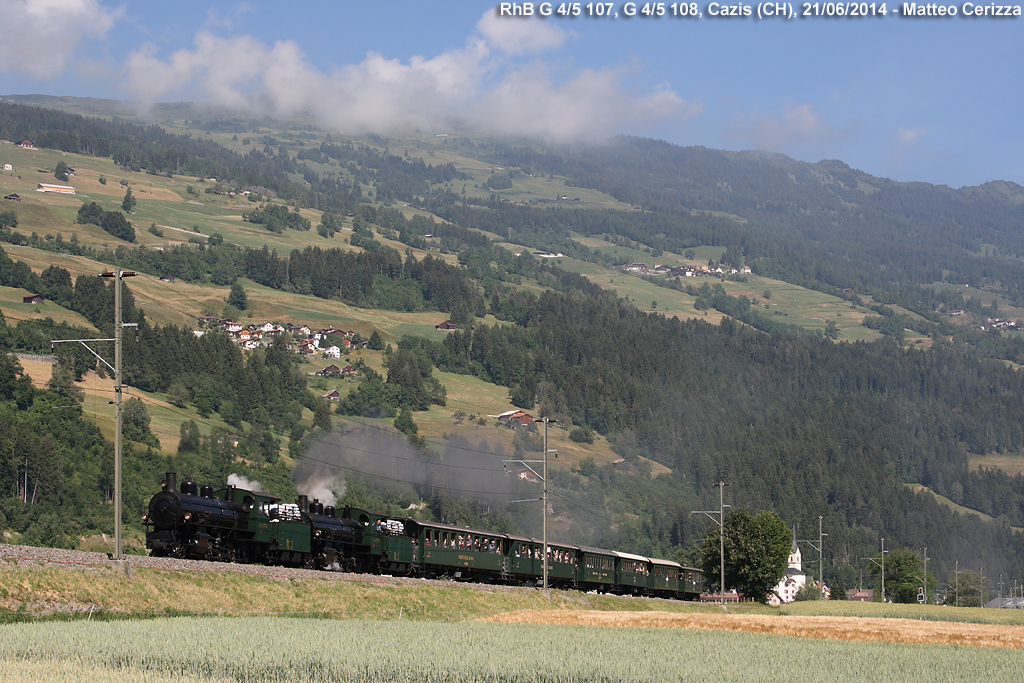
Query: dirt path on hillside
(834, 628)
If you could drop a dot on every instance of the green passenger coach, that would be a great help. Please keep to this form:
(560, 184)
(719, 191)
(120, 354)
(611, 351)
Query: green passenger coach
(460, 552)
(664, 576)
(597, 570)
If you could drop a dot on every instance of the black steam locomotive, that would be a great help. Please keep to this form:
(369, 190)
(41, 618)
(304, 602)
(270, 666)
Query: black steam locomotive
(236, 525)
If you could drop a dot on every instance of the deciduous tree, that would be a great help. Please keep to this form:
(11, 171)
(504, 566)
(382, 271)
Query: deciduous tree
(756, 550)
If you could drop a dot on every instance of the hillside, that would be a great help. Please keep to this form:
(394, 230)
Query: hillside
(820, 383)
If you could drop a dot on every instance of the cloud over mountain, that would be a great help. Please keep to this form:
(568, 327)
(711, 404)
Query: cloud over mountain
(478, 84)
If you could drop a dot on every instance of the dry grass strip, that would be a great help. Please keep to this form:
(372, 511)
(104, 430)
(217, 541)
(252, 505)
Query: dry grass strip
(834, 628)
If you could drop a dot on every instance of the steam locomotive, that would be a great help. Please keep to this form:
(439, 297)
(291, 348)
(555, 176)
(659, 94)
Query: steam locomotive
(233, 524)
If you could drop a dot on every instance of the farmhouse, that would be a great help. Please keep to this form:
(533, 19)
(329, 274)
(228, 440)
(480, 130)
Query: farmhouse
(514, 418)
(26, 144)
(33, 299)
(860, 594)
(332, 395)
(56, 189)
(446, 325)
(13, 197)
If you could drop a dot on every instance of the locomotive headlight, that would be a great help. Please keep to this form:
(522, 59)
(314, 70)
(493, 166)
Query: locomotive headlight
(317, 533)
(145, 518)
(188, 516)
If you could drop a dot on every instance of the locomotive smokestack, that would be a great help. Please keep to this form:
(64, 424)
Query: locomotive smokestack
(171, 481)
(304, 503)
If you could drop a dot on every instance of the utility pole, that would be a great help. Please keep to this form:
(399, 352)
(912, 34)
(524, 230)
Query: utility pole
(883, 570)
(118, 275)
(926, 575)
(543, 476)
(821, 557)
(721, 531)
(957, 572)
(882, 565)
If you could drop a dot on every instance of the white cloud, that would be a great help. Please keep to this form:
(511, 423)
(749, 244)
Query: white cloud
(590, 104)
(39, 37)
(910, 136)
(515, 35)
(781, 130)
(380, 94)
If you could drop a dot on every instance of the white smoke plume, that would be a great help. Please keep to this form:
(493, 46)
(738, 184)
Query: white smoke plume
(322, 487)
(243, 483)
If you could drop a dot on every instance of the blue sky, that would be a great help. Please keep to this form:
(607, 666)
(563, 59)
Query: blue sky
(930, 99)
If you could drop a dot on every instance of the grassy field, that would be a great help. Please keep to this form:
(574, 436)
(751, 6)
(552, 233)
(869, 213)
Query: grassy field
(863, 629)
(54, 590)
(164, 202)
(1011, 464)
(955, 507)
(878, 610)
(266, 649)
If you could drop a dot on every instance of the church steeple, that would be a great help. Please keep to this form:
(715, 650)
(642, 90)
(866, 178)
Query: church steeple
(795, 561)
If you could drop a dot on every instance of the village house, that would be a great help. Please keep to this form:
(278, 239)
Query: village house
(33, 299)
(860, 594)
(446, 325)
(329, 370)
(347, 371)
(514, 418)
(26, 144)
(326, 332)
(332, 395)
(332, 352)
(746, 270)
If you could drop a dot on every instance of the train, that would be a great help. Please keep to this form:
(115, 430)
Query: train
(232, 524)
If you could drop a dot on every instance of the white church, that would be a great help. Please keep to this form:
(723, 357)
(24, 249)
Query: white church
(794, 580)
